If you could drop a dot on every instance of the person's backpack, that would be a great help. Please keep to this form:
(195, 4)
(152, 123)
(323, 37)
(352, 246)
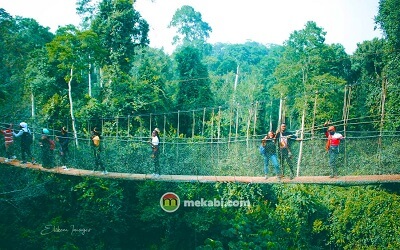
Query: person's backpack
(27, 137)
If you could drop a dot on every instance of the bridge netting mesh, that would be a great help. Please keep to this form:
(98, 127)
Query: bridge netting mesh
(361, 153)
(222, 142)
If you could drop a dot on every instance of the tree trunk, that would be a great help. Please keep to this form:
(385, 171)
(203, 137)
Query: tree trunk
(72, 107)
(33, 111)
(90, 80)
(303, 118)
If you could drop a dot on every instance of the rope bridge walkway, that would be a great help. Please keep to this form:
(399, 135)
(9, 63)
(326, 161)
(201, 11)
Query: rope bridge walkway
(222, 144)
(218, 153)
(322, 180)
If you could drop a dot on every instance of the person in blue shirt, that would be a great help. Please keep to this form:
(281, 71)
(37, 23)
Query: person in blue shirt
(268, 151)
(26, 142)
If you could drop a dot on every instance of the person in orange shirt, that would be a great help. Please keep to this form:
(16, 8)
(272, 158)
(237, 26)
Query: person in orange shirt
(332, 146)
(97, 148)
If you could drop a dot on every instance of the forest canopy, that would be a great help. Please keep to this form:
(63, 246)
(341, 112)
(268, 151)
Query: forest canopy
(98, 72)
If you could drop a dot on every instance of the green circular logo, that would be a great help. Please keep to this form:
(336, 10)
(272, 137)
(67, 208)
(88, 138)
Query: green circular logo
(169, 202)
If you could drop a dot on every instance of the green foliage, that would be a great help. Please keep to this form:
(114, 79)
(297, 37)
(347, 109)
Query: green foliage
(194, 84)
(298, 211)
(42, 209)
(387, 18)
(131, 80)
(365, 219)
(121, 30)
(153, 69)
(189, 25)
(309, 68)
(368, 64)
(19, 37)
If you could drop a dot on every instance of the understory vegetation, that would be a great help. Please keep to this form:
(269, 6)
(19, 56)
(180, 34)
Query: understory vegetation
(49, 211)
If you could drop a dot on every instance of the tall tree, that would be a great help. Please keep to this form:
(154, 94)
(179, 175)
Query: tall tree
(65, 53)
(190, 27)
(19, 37)
(368, 65)
(388, 19)
(194, 83)
(154, 68)
(7, 28)
(43, 88)
(301, 70)
(121, 29)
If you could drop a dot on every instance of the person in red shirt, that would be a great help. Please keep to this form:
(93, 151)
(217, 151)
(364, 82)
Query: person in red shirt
(8, 142)
(332, 146)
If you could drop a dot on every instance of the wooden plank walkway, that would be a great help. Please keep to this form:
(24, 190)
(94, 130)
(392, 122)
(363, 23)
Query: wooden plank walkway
(323, 180)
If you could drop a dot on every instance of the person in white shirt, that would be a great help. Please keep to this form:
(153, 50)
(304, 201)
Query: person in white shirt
(155, 154)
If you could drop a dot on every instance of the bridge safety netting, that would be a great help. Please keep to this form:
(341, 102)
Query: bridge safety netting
(361, 153)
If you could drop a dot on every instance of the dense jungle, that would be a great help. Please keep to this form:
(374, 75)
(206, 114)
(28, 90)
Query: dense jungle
(103, 74)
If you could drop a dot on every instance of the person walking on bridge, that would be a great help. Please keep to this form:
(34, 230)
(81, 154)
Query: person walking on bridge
(8, 142)
(268, 151)
(26, 142)
(47, 146)
(97, 148)
(155, 151)
(63, 140)
(285, 153)
(332, 147)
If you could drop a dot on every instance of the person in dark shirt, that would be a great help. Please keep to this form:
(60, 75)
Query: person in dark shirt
(46, 146)
(285, 154)
(268, 151)
(63, 140)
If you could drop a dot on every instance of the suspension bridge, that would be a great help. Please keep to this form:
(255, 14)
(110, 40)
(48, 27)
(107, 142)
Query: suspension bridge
(221, 145)
(321, 180)
(367, 157)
